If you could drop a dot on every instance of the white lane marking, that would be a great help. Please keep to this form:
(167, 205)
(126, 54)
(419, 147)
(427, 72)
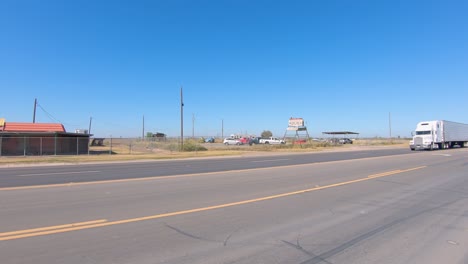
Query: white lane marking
(269, 160)
(57, 173)
(445, 155)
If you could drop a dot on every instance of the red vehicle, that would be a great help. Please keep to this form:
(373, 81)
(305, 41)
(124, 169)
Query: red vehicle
(300, 141)
(244, 140)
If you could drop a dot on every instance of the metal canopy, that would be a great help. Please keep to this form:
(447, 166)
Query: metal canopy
(340, 133)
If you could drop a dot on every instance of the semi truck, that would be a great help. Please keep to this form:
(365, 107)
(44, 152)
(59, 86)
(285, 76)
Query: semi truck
(439, 134)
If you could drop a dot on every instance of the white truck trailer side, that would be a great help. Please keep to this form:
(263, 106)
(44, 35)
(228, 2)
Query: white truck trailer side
(439, 134)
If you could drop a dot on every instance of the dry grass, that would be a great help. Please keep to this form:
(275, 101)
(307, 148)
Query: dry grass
(113, 157)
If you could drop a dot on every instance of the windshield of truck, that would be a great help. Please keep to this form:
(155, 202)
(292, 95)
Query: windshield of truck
(423, 132)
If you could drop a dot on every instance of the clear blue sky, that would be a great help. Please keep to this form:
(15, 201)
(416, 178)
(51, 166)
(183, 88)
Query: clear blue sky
(340, 65)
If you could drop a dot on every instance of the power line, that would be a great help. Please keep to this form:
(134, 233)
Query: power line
(48, 114)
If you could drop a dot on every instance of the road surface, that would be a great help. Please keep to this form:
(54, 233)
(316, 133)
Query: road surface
(402, 208)
(44, 175)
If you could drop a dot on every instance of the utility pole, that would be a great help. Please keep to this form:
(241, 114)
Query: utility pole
(390, 126)
(89, 128)
(181, 120)
(34, 113)
(193, 125)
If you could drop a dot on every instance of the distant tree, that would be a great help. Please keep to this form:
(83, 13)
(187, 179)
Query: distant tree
(149, 134)
(266, 134)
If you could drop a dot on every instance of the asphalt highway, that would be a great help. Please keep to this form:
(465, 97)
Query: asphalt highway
(340, 208)
(44, 175)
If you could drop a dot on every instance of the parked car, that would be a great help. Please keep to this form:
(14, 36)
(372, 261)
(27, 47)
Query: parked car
(244, 140)
(232, 141)
(271, 140)
(346, 141)
(254, 140)
(339, 141)
(300, 141)
(209, 140)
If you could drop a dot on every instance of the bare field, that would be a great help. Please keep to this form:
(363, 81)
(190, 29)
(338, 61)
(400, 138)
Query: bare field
(127, 150)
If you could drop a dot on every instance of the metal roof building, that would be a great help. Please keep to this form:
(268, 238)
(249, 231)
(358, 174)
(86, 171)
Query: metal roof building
(40, 139)
(340, 133)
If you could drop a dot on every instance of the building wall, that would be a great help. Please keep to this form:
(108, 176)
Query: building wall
(30, 145)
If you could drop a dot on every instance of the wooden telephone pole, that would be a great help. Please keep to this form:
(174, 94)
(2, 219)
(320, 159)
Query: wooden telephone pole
(34, 113)
(181, 120)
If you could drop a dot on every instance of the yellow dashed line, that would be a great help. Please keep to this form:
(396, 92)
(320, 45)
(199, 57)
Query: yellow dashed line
(103, 222)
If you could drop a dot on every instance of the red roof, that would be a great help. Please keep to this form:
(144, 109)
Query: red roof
(32, 127)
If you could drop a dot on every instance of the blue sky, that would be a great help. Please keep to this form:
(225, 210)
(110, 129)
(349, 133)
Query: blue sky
(251, 65)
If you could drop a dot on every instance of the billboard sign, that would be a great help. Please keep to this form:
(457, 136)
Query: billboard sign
(296, 122)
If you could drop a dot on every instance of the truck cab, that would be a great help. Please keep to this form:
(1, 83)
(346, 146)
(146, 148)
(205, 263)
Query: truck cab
(427, 135)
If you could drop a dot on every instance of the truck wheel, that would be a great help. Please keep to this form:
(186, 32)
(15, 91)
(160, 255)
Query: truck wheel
(266, 142)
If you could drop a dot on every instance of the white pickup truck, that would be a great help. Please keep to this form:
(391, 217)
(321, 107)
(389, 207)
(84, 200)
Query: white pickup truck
(271, 140)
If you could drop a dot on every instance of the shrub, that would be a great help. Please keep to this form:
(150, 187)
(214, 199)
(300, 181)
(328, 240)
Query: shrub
(192, 146)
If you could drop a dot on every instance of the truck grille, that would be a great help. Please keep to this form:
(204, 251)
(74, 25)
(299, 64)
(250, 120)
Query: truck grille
(418, 141)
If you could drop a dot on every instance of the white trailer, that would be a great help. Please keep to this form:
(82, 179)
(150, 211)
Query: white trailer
(439, 134)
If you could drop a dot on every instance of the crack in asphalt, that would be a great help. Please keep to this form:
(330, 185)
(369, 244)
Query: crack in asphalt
(225, 242)
(190, 235)
(301, 249)
(229, 237)
(324, 256)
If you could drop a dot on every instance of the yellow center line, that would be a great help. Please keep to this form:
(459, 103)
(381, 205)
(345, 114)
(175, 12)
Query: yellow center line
(103, 222)
(384, 174)
(51, 228)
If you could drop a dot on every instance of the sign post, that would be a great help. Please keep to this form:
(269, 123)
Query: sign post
(297, 124)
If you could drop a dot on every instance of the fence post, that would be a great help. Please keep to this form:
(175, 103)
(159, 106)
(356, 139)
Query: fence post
(24, 146)
(55, 144)
(77, 147)
(40, 146)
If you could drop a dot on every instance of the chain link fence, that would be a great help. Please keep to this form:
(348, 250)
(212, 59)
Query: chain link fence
(134, 146)
(39, 146)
